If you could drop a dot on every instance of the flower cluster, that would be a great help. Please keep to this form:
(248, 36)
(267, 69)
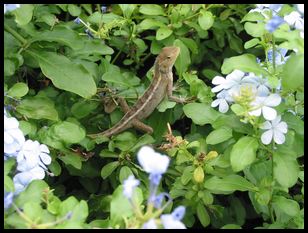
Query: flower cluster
(156, 165)
(274, 20)
(256, 94)
(32, 157)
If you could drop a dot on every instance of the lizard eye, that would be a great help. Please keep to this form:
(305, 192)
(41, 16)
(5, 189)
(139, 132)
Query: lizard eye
(169, 57)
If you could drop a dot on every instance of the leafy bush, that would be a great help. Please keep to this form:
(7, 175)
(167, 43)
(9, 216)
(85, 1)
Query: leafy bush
(235, 150)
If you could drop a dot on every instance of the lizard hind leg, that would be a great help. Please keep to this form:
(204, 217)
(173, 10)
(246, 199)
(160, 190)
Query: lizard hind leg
(141, 126)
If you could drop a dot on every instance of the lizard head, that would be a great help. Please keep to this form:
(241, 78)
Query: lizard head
(167, 57)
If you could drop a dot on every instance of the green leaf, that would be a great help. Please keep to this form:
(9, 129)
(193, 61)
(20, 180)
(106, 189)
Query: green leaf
(38, 108)
(71, 159)
(109, 168)
(68, 132)
(255, 29)
(33, 192)
(219, 135)
(282, 163)
(18, 90)
(293, 73)
(93, 47)
(62, 35)
(253, 16)
(127, 9)
(83, 108)
(203, 215)
(165, 104)
(231, 226)
(183, 60)
(74, 10)
(147, 24)
(205, 19)
(65, 74)
(145, 139)
(287, 206)
(9, 67)
(33, 210)
(187, 175)
(23, 14)
(229, 183)
(125, 172)
(8, 165)
(200, 113)
(27, 127)
(245, 63)
(163, 32)
(8, 184)
(251, 43)
(117, 78)
(294, 122)
(243, 153)
(55, 168)
(151, 9)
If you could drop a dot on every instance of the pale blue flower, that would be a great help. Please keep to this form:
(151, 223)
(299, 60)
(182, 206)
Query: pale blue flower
(150, 224)
(172, 221)
(274, 130)
(77, 20)
(223, 100)
(129, 185)
(31, 155)
(274, 23)
(263, 105)
(10, 7)
(89, 33)
(275, 7)
(151, 161)
(300, 8)
(261, 84)
(104, 9)
(280, 56)
(8, 199)
(13, 136)
(231, 83)
(294, 19)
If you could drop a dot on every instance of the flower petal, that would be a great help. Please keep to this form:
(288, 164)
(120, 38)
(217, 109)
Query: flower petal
(215, 103)
(266, 125)
(266, 137)
(217, 80)
(273, 100)
(269, 113)
(256, 112)
(223, 106)
(279, 137)
(282, 127)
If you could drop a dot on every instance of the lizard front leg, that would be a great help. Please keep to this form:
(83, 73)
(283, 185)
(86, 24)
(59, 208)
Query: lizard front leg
(170, 88)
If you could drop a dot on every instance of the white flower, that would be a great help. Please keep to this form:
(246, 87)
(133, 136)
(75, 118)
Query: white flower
(261, 84)
(129, 185)
(263, 105)
(22, 179)
(222, 100)
(152, 162)
(172, 221)
(280, 56)
(294, 19)
(275, 129)
(230, 83)
(13, 136)
(150, 224)
(300, 8)
(31, 155)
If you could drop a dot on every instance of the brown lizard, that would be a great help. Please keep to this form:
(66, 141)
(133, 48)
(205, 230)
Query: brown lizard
(161, 85)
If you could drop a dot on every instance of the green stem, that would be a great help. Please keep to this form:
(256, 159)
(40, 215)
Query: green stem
(274, 53)
(22, 40)
(116, 57)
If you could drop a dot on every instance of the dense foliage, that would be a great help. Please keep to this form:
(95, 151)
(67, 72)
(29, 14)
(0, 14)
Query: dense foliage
(230, 158)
